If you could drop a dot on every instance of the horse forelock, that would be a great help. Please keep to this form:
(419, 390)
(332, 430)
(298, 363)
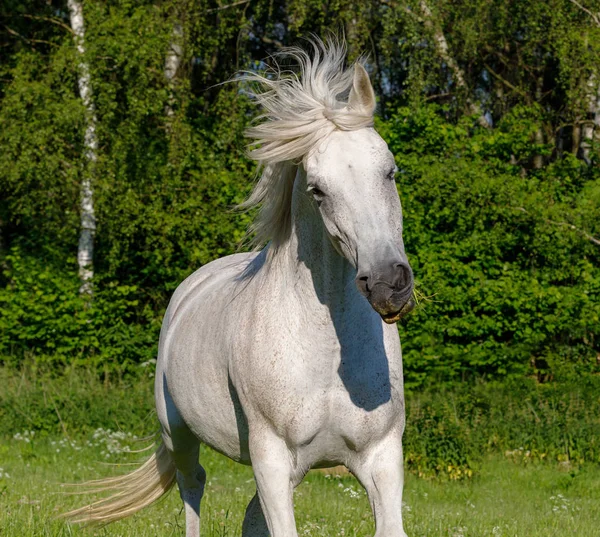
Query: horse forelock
(300, 109)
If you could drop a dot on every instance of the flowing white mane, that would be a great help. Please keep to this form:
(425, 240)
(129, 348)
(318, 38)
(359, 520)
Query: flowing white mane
(300, 108)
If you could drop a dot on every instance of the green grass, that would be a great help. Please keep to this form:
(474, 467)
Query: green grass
(505, 498)
(532, 451)
(450, 428)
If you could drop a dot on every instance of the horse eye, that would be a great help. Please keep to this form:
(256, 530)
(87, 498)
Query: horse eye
(392, 174)
(316, 192)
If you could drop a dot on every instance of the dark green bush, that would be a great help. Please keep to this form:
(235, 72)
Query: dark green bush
(435, 444)
(514, 289)
(44, 316)
(451, 428)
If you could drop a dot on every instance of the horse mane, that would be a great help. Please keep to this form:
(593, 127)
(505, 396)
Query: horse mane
(299, 109)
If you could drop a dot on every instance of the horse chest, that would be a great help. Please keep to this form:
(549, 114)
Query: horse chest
(325, 401)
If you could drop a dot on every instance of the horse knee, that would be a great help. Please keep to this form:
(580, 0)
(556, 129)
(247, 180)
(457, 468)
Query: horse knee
(193, 480)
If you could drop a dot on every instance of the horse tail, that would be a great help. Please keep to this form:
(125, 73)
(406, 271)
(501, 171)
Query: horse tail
(130, 492)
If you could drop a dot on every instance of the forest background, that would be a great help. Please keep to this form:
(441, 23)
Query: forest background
(492, 109)
(122, 157)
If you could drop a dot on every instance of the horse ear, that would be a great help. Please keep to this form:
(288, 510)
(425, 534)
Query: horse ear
(362, 96)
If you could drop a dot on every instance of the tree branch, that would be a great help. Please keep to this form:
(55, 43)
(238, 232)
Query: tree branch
(576, 123)
(27, 39)
(49, 19)
(443, 50)
(504, 81)
(581, 232)
(595, 18)
(221, 8)
(441, 45)
(269, 41)
(439, 96)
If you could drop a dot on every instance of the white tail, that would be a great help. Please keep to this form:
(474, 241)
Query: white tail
(131, 492)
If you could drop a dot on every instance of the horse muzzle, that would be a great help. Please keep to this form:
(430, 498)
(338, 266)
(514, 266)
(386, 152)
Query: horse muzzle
(391, 294)
(392, 306)
(391, 318)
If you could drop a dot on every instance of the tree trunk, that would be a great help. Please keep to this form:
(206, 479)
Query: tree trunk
(172, 65)
(576, 137)
(538, 159)
(2, 246)
(584, 137)
(560, 142)
(441, 46)
(596, 117)
(590, 130)
(85, 252)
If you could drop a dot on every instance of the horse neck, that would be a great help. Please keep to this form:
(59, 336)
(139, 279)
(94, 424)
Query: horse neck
(317, 269)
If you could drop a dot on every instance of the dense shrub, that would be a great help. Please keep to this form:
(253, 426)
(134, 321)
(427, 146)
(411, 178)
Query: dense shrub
(44, 316)
(514, 289)
(451, 428)
(74, 403)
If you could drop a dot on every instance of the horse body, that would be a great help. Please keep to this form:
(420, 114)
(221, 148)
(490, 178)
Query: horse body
(289, 359)
(295, 349)
(193, 355)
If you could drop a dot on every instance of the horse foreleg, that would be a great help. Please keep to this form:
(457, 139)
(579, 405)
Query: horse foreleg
(275, 482)
(380, 472)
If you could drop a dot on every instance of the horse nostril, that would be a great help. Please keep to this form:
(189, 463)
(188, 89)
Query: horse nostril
(403, 276)
(363, 284)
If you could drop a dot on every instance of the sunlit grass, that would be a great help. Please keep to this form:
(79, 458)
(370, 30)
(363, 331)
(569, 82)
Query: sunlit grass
(505, 498)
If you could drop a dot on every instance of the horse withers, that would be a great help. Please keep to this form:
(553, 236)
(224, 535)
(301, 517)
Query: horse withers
(288, 358)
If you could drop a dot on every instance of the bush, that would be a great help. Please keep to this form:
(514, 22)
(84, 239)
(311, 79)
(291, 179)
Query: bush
(450, 429)
(73, 403)
(515, 290)
(44, 316)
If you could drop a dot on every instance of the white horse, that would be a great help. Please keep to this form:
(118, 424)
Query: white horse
(289, 358)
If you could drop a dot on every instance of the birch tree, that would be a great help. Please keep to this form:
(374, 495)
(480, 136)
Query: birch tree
(587, 131)
(85, 251)
(443, 50)
(590, 128)
(172, 65)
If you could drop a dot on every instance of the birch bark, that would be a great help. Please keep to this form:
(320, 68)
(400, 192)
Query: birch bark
(584, 136)
(590, 130)
(441, 46)
(172, 64)
(85, 251)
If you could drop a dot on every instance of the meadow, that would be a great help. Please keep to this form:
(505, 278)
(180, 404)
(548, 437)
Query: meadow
(74, 427)
(505, 498)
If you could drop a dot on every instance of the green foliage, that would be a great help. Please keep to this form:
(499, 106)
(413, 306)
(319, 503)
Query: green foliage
(164, 187)
(75, 402)
(450, 430)
(502, 246)
(41, 137)
(45, 316)
(515, 284)
(436, 444)
(505, 500)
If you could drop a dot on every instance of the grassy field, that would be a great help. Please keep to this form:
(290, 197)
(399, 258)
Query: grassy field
(505, 498)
